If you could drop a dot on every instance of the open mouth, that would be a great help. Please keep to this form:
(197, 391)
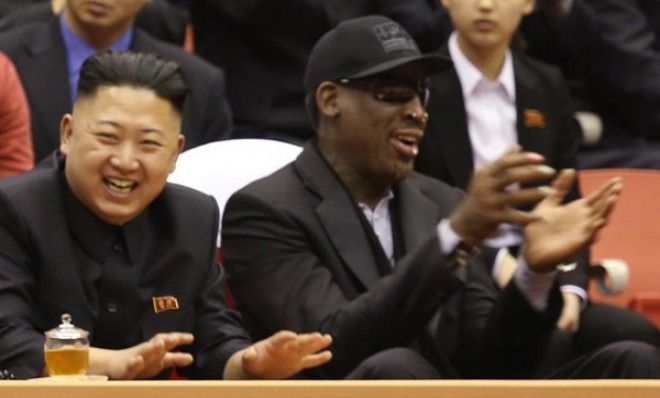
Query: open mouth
(406, 144)
(120, 186)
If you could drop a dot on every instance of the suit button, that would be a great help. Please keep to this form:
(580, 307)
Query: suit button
(118, 247)
(111, 307)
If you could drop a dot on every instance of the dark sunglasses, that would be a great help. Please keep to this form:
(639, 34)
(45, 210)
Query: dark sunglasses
(391, 90)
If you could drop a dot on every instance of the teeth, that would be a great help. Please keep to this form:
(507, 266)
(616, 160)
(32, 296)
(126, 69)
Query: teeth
(123, 186)
(407, 140)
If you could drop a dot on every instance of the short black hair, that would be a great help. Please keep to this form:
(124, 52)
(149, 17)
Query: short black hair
(109, 68)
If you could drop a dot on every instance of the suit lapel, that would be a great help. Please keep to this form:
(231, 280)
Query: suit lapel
(417, 214)
(46, 78)
(448, 124)
(335, 212)
(531, 110)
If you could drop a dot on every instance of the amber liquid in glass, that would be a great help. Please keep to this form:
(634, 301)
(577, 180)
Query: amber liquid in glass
(67, 361)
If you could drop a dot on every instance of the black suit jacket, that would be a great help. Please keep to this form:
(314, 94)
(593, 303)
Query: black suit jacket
(46, 270)
(299, 258)
(39, 54)
(446, 152)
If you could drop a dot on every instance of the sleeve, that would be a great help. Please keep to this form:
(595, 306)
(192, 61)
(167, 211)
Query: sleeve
(277, 273)
(502, 335)
(16, 154)
(21, 346)
(219, 332)
(565, 151)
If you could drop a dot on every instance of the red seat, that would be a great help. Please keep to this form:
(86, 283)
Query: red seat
(632, 235)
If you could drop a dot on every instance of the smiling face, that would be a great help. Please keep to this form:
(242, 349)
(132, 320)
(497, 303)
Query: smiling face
(374, 139)
(486, 24)
(120, 143)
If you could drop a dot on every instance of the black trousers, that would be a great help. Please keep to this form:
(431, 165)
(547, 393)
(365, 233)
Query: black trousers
(395, 363)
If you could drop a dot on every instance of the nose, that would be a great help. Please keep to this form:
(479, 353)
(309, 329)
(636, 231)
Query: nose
(125, 158)
(485, 4)
(416, 111)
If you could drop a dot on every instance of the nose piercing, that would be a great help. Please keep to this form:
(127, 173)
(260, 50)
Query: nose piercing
(422, 116)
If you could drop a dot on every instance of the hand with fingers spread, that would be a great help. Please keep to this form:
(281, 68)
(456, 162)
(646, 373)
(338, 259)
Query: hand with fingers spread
(144, 360)
(279, 356)
(562, 230)
(488, 202)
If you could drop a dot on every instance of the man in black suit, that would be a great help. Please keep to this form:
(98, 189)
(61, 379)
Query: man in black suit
(346, 239)
(48, 57)
(493, 99)
(97, 232)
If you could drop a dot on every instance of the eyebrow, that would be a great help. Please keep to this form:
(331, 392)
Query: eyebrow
(120, 126)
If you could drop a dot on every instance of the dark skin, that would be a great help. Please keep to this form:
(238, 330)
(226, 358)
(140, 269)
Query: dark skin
(361, 138)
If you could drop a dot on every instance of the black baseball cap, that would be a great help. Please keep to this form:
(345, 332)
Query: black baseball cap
(366, 46)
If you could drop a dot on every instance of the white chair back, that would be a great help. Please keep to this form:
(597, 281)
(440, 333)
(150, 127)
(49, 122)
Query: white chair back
(223, 167)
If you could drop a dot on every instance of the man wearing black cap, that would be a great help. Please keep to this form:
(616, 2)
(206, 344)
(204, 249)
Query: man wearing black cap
(348, 240)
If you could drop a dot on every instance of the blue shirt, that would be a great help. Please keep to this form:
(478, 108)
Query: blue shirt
(78, 50)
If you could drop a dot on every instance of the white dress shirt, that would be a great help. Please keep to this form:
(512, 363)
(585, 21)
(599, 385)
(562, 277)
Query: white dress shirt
(490, 106)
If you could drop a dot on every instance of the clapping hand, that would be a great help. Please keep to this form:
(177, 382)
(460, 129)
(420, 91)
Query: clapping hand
(560, 231)
(489, 203)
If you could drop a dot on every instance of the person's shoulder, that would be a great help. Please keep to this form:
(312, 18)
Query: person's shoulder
(185, 199)
(281, 189)
(30, 195)
(276, 184)
(33, 181)
(539, 68)
(19, 36)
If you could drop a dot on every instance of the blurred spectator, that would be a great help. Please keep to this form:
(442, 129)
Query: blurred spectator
(15, 143)
(48, 57)
(610, 52)
(263, 46)
(158, 17)
(9, 6)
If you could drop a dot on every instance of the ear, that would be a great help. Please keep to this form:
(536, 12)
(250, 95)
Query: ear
(66, 132)
(528, 7)
(445, 3)
(326, 99)
(181, 143)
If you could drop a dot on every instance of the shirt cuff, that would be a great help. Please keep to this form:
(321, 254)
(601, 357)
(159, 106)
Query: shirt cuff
(447, 238)
(534, 286)
(578, 291)
(498, 261)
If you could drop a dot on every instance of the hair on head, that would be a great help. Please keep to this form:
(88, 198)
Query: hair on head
(108, 68)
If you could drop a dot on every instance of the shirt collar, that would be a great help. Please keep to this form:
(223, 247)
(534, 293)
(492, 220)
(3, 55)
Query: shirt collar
(78, 50)
(383, 203)
(470, 76)
(96, 237)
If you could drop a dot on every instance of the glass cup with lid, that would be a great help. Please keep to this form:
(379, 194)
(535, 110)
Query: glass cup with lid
(66, 349)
